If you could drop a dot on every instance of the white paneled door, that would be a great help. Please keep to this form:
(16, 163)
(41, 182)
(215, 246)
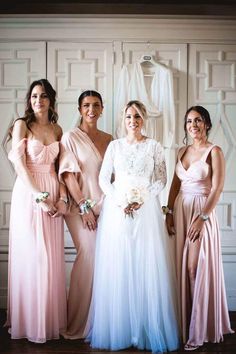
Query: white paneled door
(20, 64)
(212, 84)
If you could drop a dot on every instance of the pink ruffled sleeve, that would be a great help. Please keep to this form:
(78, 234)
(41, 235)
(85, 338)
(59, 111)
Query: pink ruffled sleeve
(17, 151)
(68, 161)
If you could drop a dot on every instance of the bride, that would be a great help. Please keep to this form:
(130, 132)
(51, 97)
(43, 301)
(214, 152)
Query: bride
(134, 295)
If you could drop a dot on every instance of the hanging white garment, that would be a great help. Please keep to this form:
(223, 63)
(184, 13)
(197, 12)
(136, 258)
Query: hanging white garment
(159, 102)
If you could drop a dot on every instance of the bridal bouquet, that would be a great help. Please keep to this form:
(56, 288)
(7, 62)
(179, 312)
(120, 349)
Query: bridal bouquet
(135, 197)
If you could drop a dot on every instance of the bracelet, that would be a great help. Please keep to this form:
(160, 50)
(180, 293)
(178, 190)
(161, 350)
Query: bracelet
(64, 199)
(204, 217)
(41, 197)
(166, 210)
(80, 201)
(86, 206)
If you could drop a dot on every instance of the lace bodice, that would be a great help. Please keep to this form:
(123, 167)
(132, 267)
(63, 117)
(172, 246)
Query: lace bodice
(140, 165)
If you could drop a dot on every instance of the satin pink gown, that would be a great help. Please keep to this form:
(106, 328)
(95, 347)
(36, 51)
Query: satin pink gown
(36, 285)
(206, 318)
(80, 156)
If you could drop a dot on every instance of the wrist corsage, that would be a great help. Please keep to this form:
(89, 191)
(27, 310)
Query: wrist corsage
(86, 205)
(41, 197)
(166, 210)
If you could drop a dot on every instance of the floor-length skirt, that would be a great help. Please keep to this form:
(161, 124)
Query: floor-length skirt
(36, 285)
(134, 296)
(81, 279)
(204, 318)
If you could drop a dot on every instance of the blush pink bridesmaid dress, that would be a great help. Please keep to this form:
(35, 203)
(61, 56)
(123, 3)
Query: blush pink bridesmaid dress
(204, 318)
(36, 287)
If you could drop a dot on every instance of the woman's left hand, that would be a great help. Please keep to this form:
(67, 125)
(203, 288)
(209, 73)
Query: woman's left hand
(61, 209)
(196, 230)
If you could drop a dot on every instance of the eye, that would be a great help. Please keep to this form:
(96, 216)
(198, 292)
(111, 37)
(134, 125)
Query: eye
(128, 116)
(199, 120)
(189, 121)
(44, 95)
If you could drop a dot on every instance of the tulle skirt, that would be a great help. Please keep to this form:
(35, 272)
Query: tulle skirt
(134, 296)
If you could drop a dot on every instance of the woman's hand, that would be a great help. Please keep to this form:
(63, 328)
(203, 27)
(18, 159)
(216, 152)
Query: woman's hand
(131, 208)
(196, 230)
(48, 207)
(89, 220)
(61, 207)
(170, 224)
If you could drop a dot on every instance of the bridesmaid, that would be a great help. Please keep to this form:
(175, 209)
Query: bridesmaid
(191, 215)
(36, 286)
(80, 162)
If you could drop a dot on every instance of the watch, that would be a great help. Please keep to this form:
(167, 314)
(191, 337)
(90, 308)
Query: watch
(204, 217)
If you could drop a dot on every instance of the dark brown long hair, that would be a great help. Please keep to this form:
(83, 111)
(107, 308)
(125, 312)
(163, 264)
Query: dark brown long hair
(29, 116)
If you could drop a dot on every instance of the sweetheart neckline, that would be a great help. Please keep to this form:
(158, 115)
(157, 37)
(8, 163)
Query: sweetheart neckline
(38, 141)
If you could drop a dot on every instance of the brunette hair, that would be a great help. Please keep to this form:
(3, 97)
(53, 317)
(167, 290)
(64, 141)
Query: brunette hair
(29, 116)
(205, 115)
(89, 93)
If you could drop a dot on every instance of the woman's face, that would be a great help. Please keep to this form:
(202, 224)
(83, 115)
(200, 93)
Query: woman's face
(91, 109)
(39, 100)
(133, 120)
(196, 126)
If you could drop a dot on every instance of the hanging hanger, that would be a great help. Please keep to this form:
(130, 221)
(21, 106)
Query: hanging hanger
(148, 57)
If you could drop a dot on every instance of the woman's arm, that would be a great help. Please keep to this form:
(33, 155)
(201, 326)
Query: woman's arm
(159, 172)
(20, 132)
(218, 177)
(174, 190)
(73, 187)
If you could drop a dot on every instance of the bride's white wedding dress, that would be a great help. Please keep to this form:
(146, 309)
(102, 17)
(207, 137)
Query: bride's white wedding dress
(134, 295)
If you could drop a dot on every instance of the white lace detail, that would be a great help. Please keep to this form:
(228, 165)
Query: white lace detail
(136, 165)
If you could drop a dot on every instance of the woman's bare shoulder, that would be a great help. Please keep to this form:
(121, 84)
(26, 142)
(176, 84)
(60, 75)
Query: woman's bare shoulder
(58, 131)
(105, 136)
(217, 152)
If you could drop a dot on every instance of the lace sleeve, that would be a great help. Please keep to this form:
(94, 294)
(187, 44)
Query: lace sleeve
(106, 171)
(159, 173)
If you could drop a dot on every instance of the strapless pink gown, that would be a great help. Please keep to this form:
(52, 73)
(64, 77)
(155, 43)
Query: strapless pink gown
(206, 319)
(36, 285)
